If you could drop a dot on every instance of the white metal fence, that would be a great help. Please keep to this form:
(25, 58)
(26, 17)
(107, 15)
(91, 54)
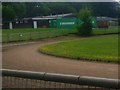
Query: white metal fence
(14, 79)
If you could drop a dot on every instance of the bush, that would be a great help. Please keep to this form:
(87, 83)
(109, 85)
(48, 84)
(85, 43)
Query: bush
(85, 28)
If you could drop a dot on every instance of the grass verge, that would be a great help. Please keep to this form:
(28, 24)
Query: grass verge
(102, 48)
(16, 35)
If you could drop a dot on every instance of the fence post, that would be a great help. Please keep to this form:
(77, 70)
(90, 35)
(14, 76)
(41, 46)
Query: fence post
(35, 24)
(30, 36)
(7, 37)
(10, 25)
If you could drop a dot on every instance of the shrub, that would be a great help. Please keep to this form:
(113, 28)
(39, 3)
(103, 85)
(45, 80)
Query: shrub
(85, 28)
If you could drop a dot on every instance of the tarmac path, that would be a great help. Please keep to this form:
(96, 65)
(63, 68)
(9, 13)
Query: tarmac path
(27, 57)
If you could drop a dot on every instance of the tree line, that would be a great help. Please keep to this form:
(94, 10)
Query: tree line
(19, 10)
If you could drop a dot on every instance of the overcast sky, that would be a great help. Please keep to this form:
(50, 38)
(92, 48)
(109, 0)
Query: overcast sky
(60, 0)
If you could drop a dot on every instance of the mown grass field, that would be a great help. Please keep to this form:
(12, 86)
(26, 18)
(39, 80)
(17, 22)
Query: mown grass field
(33, 34)
(102, 31)
(97, 48)
(14, 35)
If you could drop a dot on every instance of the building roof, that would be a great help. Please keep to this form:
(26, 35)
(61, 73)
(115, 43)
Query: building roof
(106, 18)
(50, 17)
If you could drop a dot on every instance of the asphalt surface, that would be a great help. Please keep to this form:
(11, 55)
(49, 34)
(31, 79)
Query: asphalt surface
(25, 56)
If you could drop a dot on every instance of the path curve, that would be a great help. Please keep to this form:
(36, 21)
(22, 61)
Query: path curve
(27, 57)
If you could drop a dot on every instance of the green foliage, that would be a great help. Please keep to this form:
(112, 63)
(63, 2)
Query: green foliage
(38, 8)
(60, 8)
(95, 48)
(33, 9)
(19, 9)
(45, 10)
(85, 29)
(8, 14)
(99, 8)
(0, 10)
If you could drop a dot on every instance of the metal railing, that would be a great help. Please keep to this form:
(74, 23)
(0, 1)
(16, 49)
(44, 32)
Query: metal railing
(41, 34)
(36, 35)
(29, 79)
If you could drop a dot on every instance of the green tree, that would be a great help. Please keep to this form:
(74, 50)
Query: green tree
(0, 10)
(98, 8)
(61, 7)
(39, 9)
(85, 28)
(20, 9)
(8, 13)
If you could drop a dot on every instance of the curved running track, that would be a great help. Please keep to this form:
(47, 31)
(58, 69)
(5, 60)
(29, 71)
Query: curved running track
(27, 57)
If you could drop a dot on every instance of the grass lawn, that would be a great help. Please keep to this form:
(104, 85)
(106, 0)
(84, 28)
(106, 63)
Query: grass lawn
(27, 30)
(24, 34)
(33, 34)
(101, 31)
(97, 48)
(37, 30)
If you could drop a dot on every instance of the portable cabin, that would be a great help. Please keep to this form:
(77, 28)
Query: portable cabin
(17, 24)
(27, 23)
(63, 23)
(68, 22)
(113, 21)
(94, 22)
(35, 22)
(102, 22)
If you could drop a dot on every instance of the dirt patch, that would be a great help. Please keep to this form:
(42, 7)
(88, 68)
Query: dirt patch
(26, 57)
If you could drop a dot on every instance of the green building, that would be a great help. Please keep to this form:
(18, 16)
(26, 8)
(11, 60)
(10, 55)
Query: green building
(94, 22)
(68, 23)
(63, 23)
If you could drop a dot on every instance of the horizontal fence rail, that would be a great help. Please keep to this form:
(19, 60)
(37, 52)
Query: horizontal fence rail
(29, 79)
(41, 34)
(36, 35)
